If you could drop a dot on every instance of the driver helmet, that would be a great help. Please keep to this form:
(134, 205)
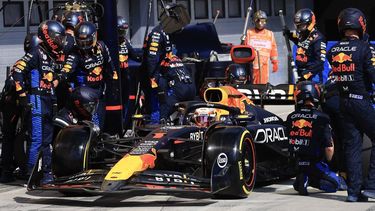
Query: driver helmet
(86, 35)
(85, 102)
(304, 21)
(52, 35)
(236, 74)
(307, 90)
(203, 117)
(352, 18)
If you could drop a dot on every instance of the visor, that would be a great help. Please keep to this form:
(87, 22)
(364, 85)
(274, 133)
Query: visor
(86, 44)
(301, 27)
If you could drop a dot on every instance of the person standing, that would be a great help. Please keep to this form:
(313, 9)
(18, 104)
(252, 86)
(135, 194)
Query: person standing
(311, 46)
(352, 63)
(35, 80)
(263, 40)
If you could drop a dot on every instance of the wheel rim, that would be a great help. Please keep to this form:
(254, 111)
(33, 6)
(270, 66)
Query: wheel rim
(248, 162)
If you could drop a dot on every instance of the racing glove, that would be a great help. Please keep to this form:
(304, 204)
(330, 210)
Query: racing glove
(275, 66)
(24, 104)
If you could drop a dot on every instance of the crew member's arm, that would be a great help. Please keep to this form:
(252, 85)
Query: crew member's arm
(154, 52)
(329, 152)
(21, 68)
(317, 65)
(109, 68)
(274, 54)
(327, 139)
(69, 67)
(369, 65)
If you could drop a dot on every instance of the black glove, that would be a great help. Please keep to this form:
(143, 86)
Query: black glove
(286, 32)
(23, 103)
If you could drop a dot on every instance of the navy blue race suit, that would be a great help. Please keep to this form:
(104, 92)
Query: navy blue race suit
(92, 69)
(34, 74)
(310, 55)
(156, 48)
(309, 135)
(11, 113)
(331, 106)
(177, 84)
(353, 69)
(127, 52)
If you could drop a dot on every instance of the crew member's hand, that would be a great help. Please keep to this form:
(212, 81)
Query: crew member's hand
(307, 76)
(55, 83)
(286, 32)
(275, 66)
(23, 103)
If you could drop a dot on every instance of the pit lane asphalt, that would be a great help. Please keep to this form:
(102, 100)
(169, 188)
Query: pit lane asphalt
(277, 196)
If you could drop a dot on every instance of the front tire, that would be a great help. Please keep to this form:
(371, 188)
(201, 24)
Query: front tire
(237, 144)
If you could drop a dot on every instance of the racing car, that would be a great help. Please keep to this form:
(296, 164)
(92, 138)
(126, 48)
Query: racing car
(219, 146)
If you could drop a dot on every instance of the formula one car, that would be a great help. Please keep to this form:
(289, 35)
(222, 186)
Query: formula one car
(211, 147)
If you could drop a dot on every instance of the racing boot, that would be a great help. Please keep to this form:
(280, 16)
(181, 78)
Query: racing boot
(360, 198)
(47, 179)
(368, 193)
(300, 184)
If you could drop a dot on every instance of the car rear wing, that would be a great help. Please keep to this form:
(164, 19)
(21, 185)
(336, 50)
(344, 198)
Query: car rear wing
(260, 94)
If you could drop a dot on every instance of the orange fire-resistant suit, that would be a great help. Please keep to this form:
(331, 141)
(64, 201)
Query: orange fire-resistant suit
(264, 42)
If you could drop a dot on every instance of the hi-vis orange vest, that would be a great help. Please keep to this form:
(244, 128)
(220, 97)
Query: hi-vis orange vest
(264, 42)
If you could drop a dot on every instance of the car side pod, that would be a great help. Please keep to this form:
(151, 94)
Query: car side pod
(231, 161)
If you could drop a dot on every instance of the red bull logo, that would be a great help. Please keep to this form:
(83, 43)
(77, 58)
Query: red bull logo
(48, 76)
(123, 58)
(302, 123)
(97, 70)
(341, 58)
(301, 51)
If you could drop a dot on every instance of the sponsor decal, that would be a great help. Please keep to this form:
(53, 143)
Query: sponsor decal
(97, 70)
(301, 133)
(344, 49)
(115, 76)
(301, 51)
(343, 78)
(153, 49)
(94, 78)
(18, 86)
(266, 135)
(48, 76)
(270, 119)
(343, 68)
(240, 169)
(48, 38)
(94, 64)
(273, 94)
(196, 136)
(176, 178)
(301, 123)
(301, 142)
(154, 44)
(123, 58)
(222, 160)
(304, 116)
(341, 58)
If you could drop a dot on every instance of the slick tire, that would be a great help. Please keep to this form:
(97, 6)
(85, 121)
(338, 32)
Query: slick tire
(234, 145)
